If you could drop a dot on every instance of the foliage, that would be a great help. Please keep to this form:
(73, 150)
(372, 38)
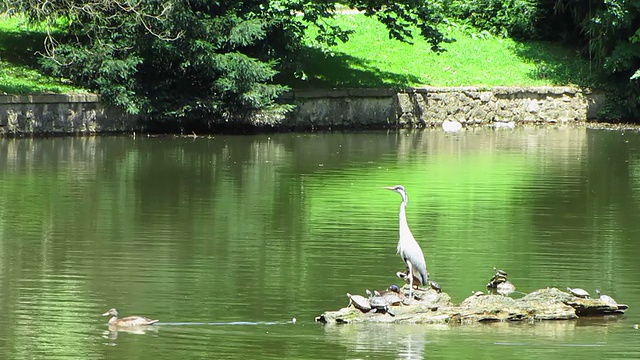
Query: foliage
(210, 61)
(400, 16)
(515, 18)
(608, 32)
(614, 41)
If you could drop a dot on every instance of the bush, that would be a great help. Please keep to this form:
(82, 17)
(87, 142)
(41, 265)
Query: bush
(515, 18)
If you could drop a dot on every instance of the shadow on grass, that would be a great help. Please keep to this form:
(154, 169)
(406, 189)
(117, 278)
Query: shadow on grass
(336, 69)
(21, 72)
(19, 48)
(557, 64)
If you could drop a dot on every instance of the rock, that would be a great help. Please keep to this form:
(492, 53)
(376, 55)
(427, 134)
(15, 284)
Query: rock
(436, 308)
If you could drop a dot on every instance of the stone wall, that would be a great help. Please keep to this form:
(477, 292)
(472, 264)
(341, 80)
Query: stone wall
(419, 107)
(52, 114)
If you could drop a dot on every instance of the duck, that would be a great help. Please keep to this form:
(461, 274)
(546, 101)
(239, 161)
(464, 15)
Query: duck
(129, 320)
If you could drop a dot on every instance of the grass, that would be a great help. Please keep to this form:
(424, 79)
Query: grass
(371, 59)
(19, 71)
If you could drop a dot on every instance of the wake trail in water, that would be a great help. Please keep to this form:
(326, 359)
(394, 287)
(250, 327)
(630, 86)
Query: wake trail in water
(229, 323)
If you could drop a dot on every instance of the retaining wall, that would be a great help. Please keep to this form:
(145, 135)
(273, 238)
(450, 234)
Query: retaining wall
(428, 106)
(54, 114)
(344, 108)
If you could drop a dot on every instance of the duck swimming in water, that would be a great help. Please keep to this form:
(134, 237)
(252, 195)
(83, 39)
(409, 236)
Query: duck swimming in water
(129, 320)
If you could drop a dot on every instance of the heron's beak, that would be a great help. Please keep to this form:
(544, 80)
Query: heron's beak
(392, 188)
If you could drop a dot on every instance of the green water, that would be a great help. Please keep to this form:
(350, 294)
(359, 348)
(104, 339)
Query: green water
(226, 239)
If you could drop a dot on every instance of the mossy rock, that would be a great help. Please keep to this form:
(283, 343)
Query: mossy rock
(436, 308)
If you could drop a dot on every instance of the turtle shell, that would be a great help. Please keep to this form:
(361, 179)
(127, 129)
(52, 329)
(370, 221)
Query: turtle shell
(577, 292)
(607, 299)
(435, 286)
(500, 272)
(360, 302)
(378, 302)
(392, 298)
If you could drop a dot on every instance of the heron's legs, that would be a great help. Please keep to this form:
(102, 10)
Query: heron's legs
(410, 266)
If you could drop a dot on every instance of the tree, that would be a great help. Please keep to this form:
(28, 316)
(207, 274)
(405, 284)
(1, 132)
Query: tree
(608, 32)
(514, 18)
(605, 31)
(198, 60)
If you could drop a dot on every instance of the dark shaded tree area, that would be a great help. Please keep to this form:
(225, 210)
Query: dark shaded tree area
(197, 61)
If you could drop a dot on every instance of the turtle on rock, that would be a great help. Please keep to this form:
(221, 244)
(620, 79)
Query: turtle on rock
(380, 303)
(607, 299)
(580, 293)
(435, 286)
(359, 302)
(501, 285)
(500, 272)
(393, 294)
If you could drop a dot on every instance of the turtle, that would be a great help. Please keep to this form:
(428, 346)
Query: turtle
(379, 303)
(360, 302)
(496, 280)
(435, 286)
(394, 295)
(607, 299)
(392, 289)
(477, 293)
(500, 272)
(577, 292)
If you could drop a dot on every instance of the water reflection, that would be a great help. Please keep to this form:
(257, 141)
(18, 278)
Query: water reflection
(406, 341)
(401, 341)
(261, 229)
(112, 333)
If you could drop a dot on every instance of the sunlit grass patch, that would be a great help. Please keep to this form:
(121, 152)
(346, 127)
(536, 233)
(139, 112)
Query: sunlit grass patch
(19, 73)
(370, 58)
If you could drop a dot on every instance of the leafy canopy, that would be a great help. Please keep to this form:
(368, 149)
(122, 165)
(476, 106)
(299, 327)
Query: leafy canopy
(199, 60)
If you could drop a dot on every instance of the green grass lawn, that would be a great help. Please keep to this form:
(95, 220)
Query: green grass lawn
(18, 63)
(370, 58)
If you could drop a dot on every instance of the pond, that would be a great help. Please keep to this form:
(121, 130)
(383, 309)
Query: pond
(227, 239)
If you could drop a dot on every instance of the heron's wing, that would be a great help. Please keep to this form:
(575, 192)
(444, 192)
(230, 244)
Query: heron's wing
(413, 253)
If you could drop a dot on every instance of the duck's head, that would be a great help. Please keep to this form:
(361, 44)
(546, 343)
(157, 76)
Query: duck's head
(111, 312)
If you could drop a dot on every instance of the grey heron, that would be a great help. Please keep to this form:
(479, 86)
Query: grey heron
(408, 247)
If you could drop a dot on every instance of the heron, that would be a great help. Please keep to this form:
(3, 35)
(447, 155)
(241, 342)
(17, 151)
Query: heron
(408, 247)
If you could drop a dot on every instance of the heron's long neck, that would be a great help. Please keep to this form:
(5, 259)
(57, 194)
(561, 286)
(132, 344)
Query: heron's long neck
(404, 227)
